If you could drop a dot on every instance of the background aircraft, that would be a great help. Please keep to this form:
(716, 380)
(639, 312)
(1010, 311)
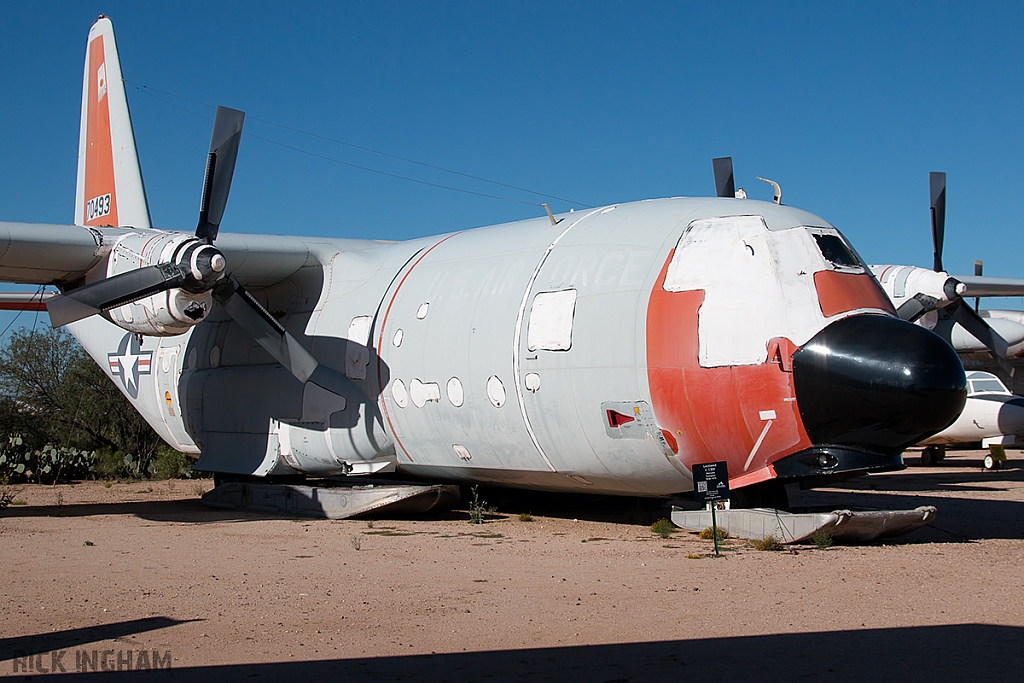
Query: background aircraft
(992, 415)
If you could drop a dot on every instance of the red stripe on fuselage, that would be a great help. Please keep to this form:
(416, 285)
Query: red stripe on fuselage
(380, 341)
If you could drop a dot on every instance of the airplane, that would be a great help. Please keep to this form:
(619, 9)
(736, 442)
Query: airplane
(935, 300)
(608, 350)
(992, 415)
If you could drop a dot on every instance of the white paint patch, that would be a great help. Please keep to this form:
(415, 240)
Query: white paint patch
(767, 414)
(456, 394)
(359, 329)
(423, 393)
(461, 451)
(532, 382)
(357, 355)
(495, 391)
(399, 393)
(757, 285)
(422, 311)
(551, 318)
(399, 335)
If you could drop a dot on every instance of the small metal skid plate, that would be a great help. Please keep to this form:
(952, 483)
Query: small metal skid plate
(333, 502)
(789, 527)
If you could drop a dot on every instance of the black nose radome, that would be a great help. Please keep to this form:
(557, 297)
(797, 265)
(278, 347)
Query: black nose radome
(877, 383)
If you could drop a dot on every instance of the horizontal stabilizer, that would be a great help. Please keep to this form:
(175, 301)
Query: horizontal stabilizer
(25, 301)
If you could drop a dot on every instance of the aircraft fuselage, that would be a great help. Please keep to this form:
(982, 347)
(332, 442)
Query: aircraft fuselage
(608, 353)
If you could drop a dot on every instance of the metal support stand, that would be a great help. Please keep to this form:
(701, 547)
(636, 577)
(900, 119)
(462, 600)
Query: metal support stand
(714, 526)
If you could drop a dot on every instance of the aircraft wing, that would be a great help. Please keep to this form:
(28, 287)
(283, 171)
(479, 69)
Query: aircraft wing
(981, 285)
(38, 254)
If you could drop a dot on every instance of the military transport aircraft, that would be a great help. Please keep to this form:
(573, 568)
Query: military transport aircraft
(607, 350)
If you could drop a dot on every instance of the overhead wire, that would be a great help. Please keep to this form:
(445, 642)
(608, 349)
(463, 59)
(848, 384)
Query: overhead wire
(150, 90)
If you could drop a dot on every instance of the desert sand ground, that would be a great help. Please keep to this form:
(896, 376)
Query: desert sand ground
(585, 591)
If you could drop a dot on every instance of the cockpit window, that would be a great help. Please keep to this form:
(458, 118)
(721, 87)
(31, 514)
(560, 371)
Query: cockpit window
(980, 386)
(835, 250)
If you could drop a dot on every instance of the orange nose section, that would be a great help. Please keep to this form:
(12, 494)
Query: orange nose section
(746, 415)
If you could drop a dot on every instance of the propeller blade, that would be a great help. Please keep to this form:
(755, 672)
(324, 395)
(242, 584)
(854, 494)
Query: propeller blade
(978, 267)
(112, 292)
(976, 325)
(725, 186)
(990, 286)
(220, 166)
(251, 316)
(245, 310)
(937, 181)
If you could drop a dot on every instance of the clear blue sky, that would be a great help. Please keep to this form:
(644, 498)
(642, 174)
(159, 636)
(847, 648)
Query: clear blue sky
(848, 105)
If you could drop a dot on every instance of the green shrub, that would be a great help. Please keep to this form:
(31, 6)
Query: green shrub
(171, 464)
(478, 509)
(822, 539)
(663, 528)
(49, 463)
(769, 543)
(710, 534)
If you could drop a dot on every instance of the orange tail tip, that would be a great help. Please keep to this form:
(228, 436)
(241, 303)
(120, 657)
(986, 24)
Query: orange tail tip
(110, 191)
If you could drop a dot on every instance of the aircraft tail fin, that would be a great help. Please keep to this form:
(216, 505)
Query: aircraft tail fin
(110, 191)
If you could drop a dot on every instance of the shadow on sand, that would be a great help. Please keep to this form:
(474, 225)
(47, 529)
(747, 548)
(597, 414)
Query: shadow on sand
(22, 646)
(962, 515)
(929, 653)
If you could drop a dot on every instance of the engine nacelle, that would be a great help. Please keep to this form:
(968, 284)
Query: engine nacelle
(917, 291)
(168, 313)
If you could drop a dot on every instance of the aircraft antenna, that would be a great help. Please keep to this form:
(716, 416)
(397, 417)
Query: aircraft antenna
(775, 186)
(551, 216)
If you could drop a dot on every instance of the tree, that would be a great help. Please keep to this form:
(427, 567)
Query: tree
(51, 392)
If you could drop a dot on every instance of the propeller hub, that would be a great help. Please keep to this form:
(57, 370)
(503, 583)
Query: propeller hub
(202, 265)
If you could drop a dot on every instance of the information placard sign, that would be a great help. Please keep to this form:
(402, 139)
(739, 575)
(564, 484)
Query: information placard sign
(710, 482)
